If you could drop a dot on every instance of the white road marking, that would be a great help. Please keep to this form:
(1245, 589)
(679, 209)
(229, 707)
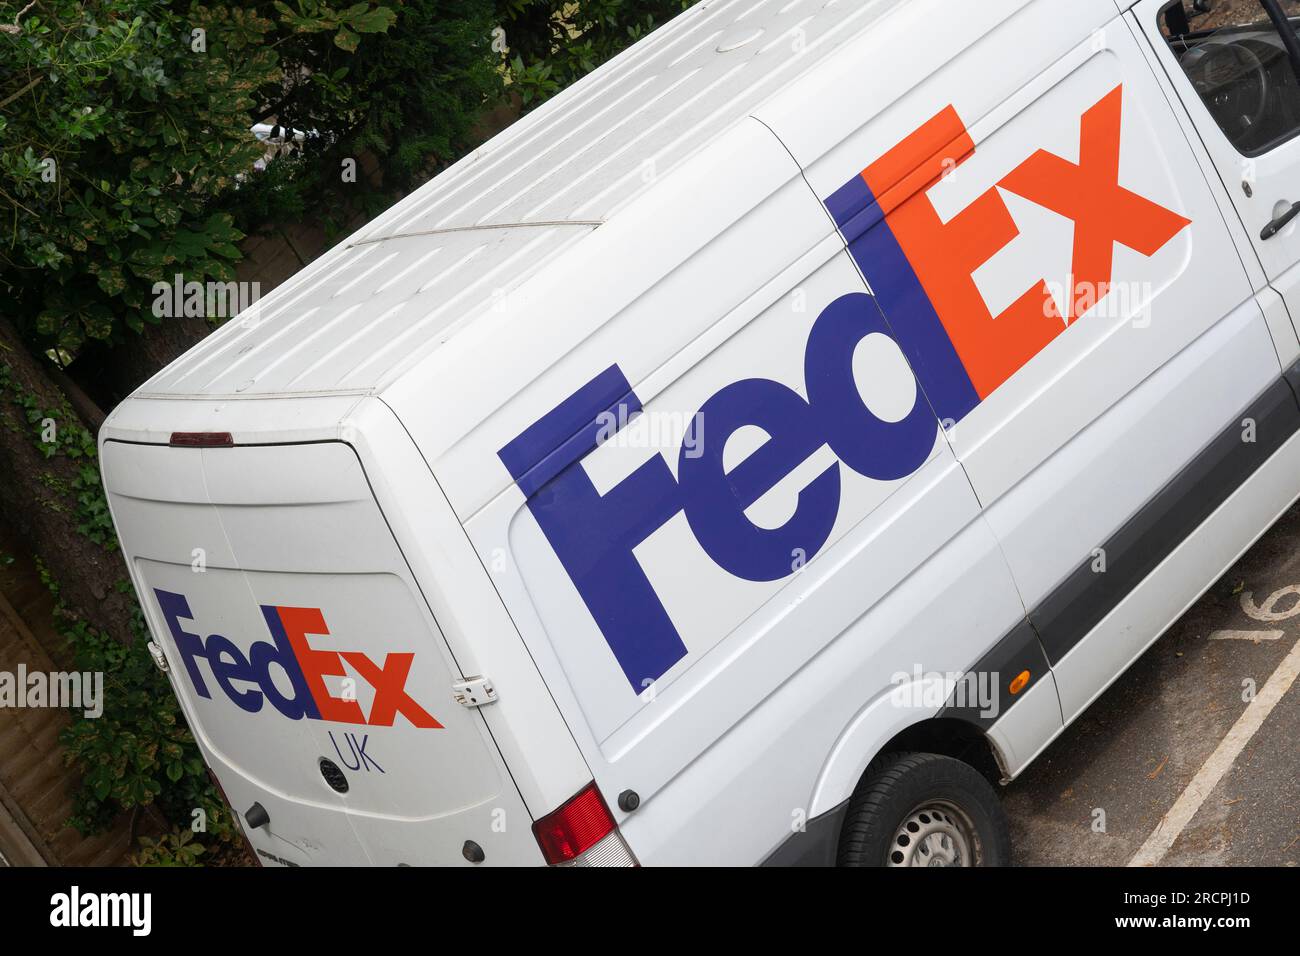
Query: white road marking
(1265, 612)
(1219, 762)
(1246, 635)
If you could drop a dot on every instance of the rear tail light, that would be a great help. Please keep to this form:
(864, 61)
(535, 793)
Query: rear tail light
(202, 440)
(582, 832)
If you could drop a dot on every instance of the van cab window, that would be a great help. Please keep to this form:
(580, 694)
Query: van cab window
(1238, 64)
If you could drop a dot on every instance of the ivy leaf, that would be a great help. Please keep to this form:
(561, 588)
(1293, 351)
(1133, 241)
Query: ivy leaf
(377, 20)
(111, 281)
(346, 40)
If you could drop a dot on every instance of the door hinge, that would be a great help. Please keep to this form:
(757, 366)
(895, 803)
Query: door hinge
(159, 658)
(474, 692)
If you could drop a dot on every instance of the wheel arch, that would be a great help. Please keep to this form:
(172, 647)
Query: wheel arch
(884, 726)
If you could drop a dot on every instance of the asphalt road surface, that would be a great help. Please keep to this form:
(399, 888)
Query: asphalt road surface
(1170, 766)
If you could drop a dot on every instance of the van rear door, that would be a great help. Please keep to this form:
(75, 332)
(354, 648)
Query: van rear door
(308, 665)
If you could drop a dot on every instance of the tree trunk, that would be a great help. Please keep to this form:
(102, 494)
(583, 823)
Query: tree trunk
(111, 373)
(39, 495)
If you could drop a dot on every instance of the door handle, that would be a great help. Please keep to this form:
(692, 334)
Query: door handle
(1278, 224)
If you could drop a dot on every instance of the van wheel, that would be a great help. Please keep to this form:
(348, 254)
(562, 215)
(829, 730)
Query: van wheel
(917, 809)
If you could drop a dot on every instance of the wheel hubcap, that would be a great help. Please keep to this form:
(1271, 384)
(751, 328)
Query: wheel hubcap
(934, 834)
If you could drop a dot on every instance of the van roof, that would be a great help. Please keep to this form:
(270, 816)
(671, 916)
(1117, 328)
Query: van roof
(446, 253)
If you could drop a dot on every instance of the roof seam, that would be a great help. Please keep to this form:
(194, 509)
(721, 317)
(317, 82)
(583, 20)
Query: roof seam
(544, 224)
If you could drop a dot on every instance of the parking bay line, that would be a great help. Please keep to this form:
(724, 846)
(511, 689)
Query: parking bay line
(1219, 763)
(1246, 635)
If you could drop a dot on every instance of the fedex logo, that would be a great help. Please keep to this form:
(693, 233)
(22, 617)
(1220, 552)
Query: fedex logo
(305, 667)
(921, 269)
(924, 298)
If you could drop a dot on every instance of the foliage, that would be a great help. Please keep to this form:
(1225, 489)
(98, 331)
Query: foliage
(84, 494)
(140, 742)
(125, 151)
(312, 16)
(139, 750)
(554, 43)
(176, 848)
(407, 97)
(117, 138)
(402, 102)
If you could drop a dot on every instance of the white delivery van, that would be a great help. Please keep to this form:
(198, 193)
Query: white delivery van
(755, 454)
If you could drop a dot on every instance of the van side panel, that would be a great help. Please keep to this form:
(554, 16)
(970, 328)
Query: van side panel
(748, 622)
(661, 637)
(802, 749)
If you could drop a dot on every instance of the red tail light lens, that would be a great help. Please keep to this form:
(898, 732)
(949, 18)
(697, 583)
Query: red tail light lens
(576, 827)
(202, 440)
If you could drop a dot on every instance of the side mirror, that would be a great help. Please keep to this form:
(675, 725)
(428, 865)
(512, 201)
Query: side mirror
(1178, 15)
(1176, 19)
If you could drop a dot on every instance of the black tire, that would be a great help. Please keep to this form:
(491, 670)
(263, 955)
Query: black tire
(901, 788)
